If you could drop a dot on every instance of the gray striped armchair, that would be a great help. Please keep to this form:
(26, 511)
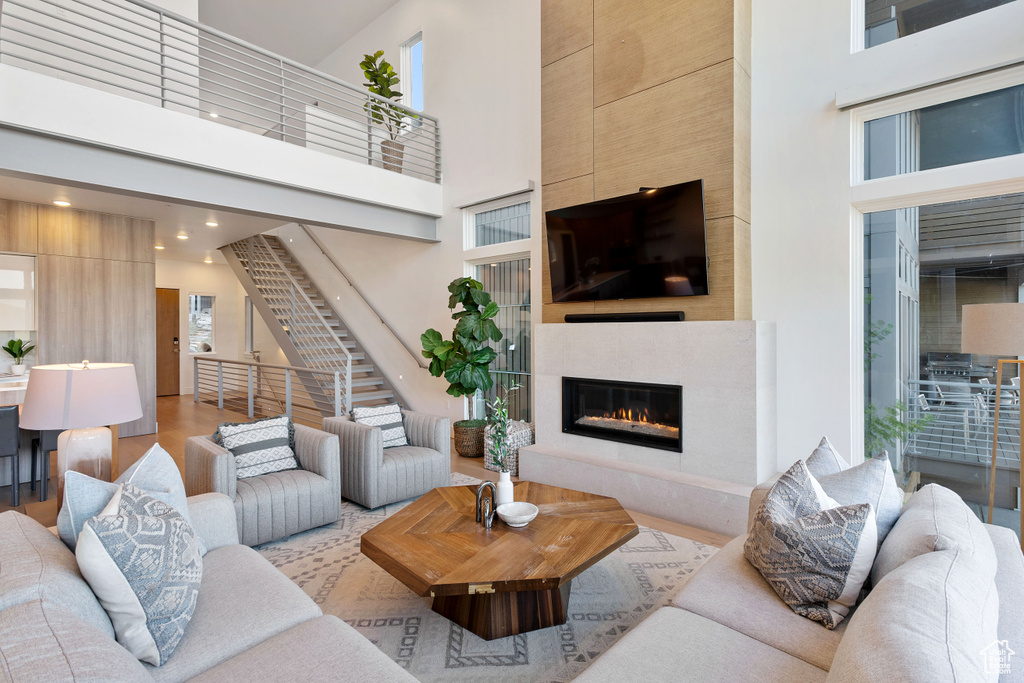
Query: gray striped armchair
(373, 476)
(272, 506)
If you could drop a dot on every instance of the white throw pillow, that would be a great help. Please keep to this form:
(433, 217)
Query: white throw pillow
(388, 418)
(261, 446)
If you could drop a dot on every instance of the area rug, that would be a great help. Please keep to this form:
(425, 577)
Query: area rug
(607, 600)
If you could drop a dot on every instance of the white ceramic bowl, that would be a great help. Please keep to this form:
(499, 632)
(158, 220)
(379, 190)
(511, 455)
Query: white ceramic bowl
(517, 514)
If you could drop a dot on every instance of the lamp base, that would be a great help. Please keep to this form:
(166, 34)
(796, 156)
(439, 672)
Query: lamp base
(88, 451)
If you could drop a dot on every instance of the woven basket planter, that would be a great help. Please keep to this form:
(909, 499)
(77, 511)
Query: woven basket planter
(519, 434)
(469, 441)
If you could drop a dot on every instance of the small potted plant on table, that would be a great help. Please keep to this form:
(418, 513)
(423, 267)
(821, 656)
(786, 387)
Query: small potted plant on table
(17, 349)
(464, 359)
(501, 451)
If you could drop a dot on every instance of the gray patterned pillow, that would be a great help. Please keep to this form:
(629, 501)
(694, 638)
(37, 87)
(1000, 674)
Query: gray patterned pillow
(141, 559)
(388, 418)
(814, 553)
(261, 446)
(872, 482)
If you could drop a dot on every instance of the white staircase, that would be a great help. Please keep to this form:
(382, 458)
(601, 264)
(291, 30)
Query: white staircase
(309, 330)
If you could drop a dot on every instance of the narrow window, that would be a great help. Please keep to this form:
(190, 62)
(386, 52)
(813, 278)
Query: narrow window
(200, 323)
(412, 72)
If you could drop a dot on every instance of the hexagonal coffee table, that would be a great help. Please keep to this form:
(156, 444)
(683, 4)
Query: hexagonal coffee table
(502, 581)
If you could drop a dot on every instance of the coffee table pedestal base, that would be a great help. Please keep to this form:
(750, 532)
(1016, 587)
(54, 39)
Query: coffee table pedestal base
(497, 615)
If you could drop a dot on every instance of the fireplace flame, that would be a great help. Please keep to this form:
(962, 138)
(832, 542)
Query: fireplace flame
(630, 415)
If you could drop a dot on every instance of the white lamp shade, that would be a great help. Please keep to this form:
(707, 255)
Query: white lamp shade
(75, 397)
(992, 329)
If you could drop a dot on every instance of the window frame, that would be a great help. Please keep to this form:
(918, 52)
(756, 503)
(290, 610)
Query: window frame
(405, 70)
(213, 324)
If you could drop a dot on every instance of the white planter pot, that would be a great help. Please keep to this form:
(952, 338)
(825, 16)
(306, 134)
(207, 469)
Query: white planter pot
(19, 369)
(505, 488)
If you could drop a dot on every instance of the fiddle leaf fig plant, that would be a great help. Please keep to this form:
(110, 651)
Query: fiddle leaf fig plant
(381, 79)
(464, 359)
(16, 349)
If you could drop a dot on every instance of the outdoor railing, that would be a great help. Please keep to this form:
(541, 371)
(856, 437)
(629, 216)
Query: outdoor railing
(136, 49)
(263, 389)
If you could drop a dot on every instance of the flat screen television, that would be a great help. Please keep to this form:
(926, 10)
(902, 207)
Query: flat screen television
(638, 246)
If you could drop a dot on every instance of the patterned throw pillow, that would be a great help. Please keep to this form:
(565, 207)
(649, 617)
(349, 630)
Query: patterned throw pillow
(814, 553)
(260, 447)
(141, 559)
(872, 482)
(388, 418)
(156, 473)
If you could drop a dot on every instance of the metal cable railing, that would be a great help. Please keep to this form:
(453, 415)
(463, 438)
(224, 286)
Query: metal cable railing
(262, 389)
(135, 49)
(319, 344)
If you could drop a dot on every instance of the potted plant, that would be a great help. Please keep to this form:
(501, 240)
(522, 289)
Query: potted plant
(464, 359)
(498, 422)
(383, 81)
(16, 349)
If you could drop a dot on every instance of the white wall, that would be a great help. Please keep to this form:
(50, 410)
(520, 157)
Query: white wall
(482, 80)
(806, 228)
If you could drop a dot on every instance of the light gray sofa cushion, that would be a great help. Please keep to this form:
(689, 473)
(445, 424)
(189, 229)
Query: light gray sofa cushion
(871, 482)
(243, 601)
(927, 620)
(280, 504)
(934, 518)
(43, 642)
(676, 645)
(825, 460)
(730, 591)
(409, 471)
(213, 518)
(36, 565)
(1009, 579)
(320, 649)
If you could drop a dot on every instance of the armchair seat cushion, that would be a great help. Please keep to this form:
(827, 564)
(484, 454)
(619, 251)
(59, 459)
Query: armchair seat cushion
(280, 504)
(410, 471)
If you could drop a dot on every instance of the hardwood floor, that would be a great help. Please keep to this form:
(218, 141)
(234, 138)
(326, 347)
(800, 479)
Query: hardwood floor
(179, 417)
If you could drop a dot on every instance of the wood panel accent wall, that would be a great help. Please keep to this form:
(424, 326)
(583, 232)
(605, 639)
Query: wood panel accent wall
(96, 290)
(648, 93)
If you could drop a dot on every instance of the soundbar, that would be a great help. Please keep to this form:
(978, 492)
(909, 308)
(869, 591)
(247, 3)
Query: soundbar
(641, 317)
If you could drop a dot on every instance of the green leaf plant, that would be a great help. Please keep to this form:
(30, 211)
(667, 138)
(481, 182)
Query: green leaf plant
(464, 359)
(499, 422)
(16, 349)
(382, 80)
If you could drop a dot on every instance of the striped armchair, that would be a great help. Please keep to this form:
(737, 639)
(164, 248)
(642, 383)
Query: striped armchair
(272, 506)
(373, 476)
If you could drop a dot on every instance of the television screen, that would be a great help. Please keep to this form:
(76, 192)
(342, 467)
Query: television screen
(644, 245)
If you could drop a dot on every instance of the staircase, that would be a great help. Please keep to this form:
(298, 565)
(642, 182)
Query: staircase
(307, 328)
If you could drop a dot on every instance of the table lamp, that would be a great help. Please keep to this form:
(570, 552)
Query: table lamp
(81, 398)
(995, 330)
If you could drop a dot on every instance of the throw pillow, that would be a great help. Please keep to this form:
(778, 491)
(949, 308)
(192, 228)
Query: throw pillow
(872, 482)
(260, 447)
(156, 473)
(388, 418)
(825, 459)
(814, 553)
(141, 559)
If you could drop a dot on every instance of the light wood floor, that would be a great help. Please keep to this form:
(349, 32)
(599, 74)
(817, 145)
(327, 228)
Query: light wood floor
(179, 417)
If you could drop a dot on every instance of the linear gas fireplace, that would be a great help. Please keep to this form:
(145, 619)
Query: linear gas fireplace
(643, 414)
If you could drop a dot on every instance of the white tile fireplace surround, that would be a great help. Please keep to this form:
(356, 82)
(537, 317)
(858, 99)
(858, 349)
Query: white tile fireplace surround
(727, 374)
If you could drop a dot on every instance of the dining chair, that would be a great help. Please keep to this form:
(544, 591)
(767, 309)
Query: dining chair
(42, 445)
(9, 440)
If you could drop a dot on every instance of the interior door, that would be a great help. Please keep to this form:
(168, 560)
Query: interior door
(168, 346)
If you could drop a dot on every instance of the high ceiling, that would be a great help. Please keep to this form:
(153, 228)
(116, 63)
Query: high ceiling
(303, 30)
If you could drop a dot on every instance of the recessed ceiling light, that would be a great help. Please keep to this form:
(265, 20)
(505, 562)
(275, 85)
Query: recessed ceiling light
(212, 224)
(494, 265)
(159, 246)
(209, 260)
(213, 114)
(182, 237)
(61, 203)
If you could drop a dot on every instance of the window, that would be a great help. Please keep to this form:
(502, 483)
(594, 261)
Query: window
(886, 20)
(984, 126)
(500, 225)
(508, 283)
(200, 323)
(412, 72)
(250, 342)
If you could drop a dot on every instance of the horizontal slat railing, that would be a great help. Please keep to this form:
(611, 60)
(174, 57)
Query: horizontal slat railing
(142, 51)
(265, 390)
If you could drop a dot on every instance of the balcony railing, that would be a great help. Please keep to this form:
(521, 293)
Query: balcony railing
(135, 49)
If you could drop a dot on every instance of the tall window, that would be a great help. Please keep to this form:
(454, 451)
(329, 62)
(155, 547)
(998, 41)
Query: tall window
(412, 72)
(200, 323)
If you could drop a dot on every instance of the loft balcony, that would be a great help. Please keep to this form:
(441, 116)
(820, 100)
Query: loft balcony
(123, 95)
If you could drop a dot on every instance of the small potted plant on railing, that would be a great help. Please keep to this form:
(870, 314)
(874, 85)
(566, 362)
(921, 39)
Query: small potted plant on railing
(383, 81)
(16, 349)
(464, 359)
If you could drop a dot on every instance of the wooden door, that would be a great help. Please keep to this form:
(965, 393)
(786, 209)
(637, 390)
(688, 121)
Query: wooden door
(168, 346)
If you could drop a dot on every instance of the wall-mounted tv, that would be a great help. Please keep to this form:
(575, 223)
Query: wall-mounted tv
(639, 246)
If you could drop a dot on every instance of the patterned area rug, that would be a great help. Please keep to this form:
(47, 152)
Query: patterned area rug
(606, 601)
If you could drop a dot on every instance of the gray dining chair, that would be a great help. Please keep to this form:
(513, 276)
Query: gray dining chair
(9, 439)
(42, 445)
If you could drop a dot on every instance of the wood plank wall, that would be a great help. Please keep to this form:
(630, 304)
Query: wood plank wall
(96, 290)
(648, 93)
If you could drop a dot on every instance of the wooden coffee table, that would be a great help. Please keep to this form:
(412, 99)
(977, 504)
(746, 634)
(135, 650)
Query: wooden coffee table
(502, 581)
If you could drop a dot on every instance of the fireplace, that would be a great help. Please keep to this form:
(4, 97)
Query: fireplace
(648, 415)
